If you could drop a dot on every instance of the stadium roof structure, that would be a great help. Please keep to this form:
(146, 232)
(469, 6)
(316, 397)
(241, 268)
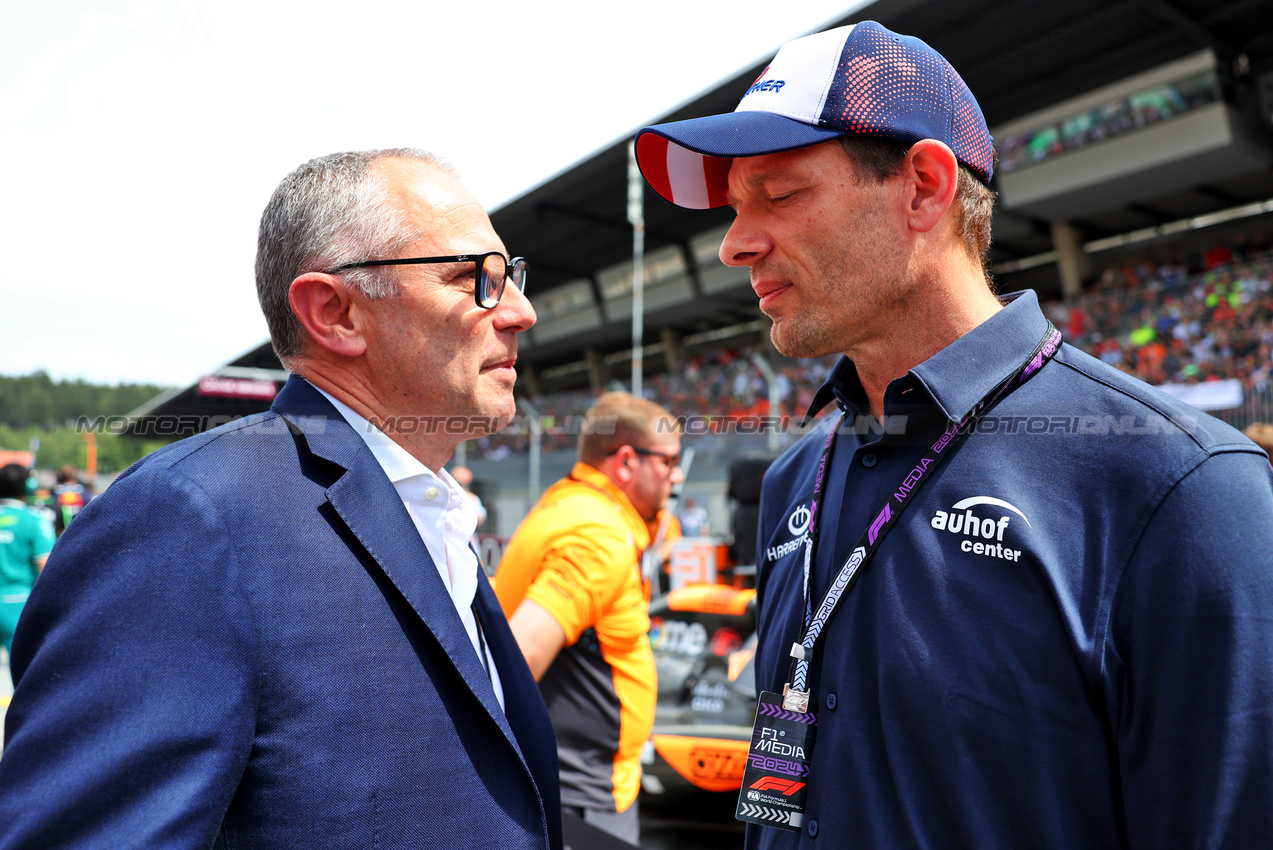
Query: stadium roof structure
(1032, 66)
(244, 386)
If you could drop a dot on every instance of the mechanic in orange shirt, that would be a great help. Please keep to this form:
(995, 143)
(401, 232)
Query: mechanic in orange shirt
(571, 584)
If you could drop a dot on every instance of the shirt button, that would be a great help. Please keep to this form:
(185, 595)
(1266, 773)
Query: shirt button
(813, 828)
(431, 493)
(831, 700)
(869, 460)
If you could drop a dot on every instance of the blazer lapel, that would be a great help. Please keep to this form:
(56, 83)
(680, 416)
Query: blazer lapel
(370, 507)
(529, 716)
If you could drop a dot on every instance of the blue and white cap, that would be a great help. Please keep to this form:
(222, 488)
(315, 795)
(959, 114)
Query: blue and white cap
(861, 79)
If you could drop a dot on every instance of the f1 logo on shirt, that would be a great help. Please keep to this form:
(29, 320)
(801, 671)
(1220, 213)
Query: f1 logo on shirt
(774, 783)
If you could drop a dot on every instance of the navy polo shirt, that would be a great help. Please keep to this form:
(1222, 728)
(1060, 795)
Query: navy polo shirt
(1067, 639)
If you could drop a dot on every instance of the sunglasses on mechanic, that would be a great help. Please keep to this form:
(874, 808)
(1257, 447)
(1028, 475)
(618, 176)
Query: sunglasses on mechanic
(494, 270)
(671, 461)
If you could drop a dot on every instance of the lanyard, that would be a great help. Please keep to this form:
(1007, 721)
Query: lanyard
(796, 693)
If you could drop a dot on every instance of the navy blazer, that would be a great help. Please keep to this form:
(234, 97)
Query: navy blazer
(244, 643)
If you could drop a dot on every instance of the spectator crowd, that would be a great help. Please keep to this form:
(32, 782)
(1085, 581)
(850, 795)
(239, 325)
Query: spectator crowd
(1170, 323)
(1183, 320)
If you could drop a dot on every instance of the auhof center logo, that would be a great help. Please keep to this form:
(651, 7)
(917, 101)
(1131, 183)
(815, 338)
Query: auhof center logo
(981, 533)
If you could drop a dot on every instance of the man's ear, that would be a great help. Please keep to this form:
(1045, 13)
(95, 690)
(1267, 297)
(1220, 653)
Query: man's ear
(933, 179)
(325, 308)
(622, 466)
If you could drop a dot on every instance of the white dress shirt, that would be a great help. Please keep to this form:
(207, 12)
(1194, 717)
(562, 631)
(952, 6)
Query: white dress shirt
(445, 517)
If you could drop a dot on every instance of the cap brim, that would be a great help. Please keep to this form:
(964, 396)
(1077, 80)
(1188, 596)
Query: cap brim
(687, 162)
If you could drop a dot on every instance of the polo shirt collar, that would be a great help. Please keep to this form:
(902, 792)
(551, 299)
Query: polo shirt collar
(962, 373)
(843, 377)
(596, 478)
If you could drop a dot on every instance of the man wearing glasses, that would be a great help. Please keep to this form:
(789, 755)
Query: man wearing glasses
(1008, 596)
(571, 583)
(275, 634)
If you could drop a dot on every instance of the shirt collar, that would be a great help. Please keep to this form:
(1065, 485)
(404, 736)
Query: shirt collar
(839, 386)
(596, 478)
(962, 373)
(397, 462)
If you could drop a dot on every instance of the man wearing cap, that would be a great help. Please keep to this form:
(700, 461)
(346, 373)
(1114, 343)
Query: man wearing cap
(1010, 597)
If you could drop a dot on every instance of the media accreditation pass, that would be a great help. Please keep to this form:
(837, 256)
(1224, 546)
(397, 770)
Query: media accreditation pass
(775, 783)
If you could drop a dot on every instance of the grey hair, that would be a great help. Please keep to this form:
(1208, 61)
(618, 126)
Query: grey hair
(330, 211)
(974, 211)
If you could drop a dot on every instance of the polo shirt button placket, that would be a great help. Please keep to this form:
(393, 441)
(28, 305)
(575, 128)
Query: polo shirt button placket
(831, 701)
(869, 460)
(812, 827)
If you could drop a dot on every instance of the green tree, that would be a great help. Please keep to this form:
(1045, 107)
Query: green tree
(37, 406)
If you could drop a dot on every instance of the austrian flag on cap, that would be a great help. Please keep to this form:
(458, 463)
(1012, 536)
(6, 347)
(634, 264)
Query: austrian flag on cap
(682, 176)
(861, 79)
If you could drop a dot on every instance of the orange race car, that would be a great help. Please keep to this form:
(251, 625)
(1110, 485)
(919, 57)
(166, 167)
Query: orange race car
(703, 637)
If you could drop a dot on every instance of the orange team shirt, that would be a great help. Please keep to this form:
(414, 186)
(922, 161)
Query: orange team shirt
(578, 555)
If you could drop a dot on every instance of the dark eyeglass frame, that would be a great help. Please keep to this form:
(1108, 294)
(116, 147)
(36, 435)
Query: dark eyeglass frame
(672, 461)
(486, 293)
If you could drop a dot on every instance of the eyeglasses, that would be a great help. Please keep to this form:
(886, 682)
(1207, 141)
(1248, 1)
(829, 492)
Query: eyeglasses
(495, 270)
(671, 461)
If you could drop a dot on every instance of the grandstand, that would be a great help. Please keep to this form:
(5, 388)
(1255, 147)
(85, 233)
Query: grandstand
(1136, 195)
